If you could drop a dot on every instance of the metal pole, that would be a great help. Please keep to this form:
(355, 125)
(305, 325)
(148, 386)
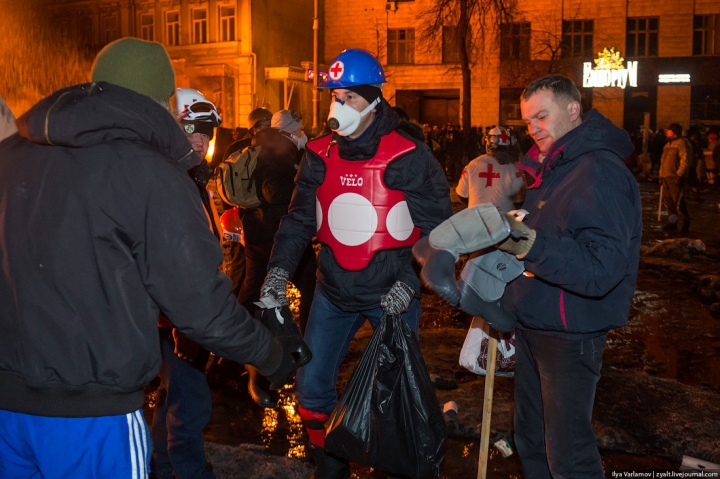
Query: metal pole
(316, 66)
(487, 405)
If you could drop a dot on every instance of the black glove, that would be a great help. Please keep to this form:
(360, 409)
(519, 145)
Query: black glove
(286, 371)
(273, 291)
(280, 322)
(438, 269)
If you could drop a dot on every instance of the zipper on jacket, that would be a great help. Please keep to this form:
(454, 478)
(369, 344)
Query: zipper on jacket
(47, 118)
(330, 145)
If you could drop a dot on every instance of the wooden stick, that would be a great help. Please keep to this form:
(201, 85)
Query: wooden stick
(487, 405)
(660, 203)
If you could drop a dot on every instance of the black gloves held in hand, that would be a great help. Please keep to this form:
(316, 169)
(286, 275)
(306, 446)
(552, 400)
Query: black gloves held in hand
(288, 365)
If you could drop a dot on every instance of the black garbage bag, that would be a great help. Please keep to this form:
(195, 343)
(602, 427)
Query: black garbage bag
(389, 418)
(280, 322)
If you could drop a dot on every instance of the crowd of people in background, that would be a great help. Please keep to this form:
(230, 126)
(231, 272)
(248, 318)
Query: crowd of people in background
(684, 163)
(645, 160)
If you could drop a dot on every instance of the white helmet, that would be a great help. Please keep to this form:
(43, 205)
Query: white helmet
(498, 139)
(191, 105)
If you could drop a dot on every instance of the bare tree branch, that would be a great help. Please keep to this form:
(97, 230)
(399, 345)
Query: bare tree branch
(477, 22)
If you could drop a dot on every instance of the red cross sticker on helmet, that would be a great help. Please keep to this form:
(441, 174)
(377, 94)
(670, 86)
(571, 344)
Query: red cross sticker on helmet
(336, 71)
(504, 135)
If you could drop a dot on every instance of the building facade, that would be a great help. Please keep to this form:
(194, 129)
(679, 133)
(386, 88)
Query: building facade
(220, 47)
(670, 49)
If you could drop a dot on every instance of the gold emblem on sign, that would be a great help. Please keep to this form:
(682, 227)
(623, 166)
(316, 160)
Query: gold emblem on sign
(609, 60)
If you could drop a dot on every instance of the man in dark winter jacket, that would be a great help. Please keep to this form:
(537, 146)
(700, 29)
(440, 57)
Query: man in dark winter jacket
(580, 245)
(258, 119)
(275, 180)
(102, 228)
(369, 191)
(578, 238)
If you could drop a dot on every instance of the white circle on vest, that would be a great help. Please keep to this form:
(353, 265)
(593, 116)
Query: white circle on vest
(352, 219)
(399, 222)
(318, 213)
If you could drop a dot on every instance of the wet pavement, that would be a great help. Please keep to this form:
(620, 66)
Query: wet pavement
(658, 399)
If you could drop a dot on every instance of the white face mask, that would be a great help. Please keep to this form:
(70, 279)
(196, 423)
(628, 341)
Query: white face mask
(300, 140)
(345, 119)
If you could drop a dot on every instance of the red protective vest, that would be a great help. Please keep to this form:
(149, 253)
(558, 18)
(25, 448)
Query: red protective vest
(357, 214)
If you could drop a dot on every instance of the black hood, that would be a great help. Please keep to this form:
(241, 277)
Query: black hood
(594, 134)
(364, 147)
(94, 113)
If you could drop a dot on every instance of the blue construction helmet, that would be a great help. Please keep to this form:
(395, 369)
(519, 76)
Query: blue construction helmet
(354, 67)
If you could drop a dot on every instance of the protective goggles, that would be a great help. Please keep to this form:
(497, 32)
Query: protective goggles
(202, 111)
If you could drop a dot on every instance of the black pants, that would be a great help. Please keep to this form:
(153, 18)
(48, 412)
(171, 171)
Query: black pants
(555, 381)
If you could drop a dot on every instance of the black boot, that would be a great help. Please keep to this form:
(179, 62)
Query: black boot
(328, 466)
(259, 388)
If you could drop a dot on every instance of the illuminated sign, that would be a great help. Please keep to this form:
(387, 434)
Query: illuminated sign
(311, 75)
(674, 78)
(609, 71)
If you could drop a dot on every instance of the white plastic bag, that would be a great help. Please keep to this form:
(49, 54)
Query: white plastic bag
(474, 353)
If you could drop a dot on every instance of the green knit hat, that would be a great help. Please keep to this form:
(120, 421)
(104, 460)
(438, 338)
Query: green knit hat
(138, 65)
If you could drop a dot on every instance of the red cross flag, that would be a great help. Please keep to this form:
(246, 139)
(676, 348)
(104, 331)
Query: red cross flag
(336, 70)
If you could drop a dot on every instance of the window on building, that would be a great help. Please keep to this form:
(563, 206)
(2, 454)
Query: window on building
(704, 103)
(642, 37)
(450, 47)
(199, 25)
(577, 38)
(111, 29)
(401, 45)
(515, 41)
(510, 106)
(706, 35)
(227, 24)
(172, 22)
(147, 27)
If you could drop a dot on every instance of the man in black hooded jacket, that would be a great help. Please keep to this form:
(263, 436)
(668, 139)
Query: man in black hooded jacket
(369, 191)
(101, 229)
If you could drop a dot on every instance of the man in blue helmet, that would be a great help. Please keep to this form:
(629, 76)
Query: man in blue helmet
(369, 191)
